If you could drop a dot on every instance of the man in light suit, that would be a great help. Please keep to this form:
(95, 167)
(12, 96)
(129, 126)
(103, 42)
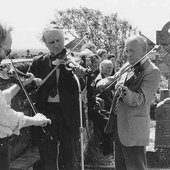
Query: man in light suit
(130, 122)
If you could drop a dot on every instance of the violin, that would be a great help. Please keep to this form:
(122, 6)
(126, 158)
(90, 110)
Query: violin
(64, 57)
(8, 75)
(10, 72)
(69, 61)
(133, 81)
(130, 67)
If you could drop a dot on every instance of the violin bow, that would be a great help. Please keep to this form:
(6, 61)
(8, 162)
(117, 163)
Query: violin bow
(132, 66)
(45, 130)
(51, 72)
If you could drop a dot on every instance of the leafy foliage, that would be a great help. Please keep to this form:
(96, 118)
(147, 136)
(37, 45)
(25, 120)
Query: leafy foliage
(105, 31)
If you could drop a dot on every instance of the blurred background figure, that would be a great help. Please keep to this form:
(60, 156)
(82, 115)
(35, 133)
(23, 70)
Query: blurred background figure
(93, 62)
(100, 110)
(106, 68)
(84, 55)
(112, 58)
(102, 53)
(89, 46)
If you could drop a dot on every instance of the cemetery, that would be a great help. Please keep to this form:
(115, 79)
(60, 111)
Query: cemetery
(24, 153)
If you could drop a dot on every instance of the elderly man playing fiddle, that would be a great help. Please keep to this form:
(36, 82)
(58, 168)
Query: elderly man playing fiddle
(130, 119)
(57, 98)
(12, 121)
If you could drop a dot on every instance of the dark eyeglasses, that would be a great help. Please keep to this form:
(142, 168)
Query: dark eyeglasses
(7, 52)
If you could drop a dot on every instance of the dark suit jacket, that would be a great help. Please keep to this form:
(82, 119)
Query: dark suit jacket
(67, 87)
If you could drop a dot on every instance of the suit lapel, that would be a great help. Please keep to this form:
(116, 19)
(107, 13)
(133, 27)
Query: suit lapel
(46, 63)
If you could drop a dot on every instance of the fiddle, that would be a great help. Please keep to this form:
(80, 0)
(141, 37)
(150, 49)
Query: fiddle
(132, 81)
(64, 58)
(69, 61)
(6, 72)
(17, 72)
(130, 67)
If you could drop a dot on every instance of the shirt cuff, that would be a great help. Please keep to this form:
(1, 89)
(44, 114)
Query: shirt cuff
(21, 123)
(7, 95)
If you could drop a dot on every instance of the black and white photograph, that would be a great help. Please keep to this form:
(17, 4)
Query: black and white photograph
(85, 85)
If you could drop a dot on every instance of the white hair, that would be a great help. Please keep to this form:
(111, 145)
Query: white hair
(49, 29)
(139, 39)
(104, 63)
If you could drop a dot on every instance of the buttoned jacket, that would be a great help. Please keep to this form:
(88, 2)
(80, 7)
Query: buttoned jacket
(67, 88)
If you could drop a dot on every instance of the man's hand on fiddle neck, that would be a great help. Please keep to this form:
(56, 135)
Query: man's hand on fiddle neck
(38, 82)
(3, 75)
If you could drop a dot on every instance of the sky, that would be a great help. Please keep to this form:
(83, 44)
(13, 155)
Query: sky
(29, 17)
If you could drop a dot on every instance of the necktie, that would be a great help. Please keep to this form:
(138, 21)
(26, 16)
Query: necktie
(54, 90)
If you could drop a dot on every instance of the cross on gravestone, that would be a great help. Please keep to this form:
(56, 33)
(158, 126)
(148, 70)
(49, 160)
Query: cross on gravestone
(28, 52)
(163, 38)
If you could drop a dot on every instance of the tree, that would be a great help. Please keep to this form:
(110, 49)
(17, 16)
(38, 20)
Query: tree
(105, 31)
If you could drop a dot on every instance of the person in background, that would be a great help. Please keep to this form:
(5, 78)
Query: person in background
(85, 56)
(130, 119)
(12, 121)
(102, 53)
(106, 68)
(112, 58)
(92, 61)
(102, 107)
(58, 99)
(90, 46)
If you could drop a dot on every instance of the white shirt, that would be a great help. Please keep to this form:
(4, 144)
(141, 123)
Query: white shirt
(10, 121)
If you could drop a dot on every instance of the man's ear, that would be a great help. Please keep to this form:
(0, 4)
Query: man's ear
(145, 49)
(45, 44)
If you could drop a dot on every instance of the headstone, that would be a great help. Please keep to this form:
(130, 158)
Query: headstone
(161, 156)
(163, 38)
(164, 94)
(162, 132)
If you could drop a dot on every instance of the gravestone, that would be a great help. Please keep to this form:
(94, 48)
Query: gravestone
(163, 38)
(162, 134)
(162, 112)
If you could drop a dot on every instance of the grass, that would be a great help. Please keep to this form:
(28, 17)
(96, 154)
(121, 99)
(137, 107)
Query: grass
(95, 156)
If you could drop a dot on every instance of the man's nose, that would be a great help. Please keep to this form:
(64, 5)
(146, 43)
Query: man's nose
(126, 54)
(56, 43)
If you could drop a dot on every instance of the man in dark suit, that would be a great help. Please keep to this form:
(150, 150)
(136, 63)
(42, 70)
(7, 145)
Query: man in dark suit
(57, 98)
(130, 121)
